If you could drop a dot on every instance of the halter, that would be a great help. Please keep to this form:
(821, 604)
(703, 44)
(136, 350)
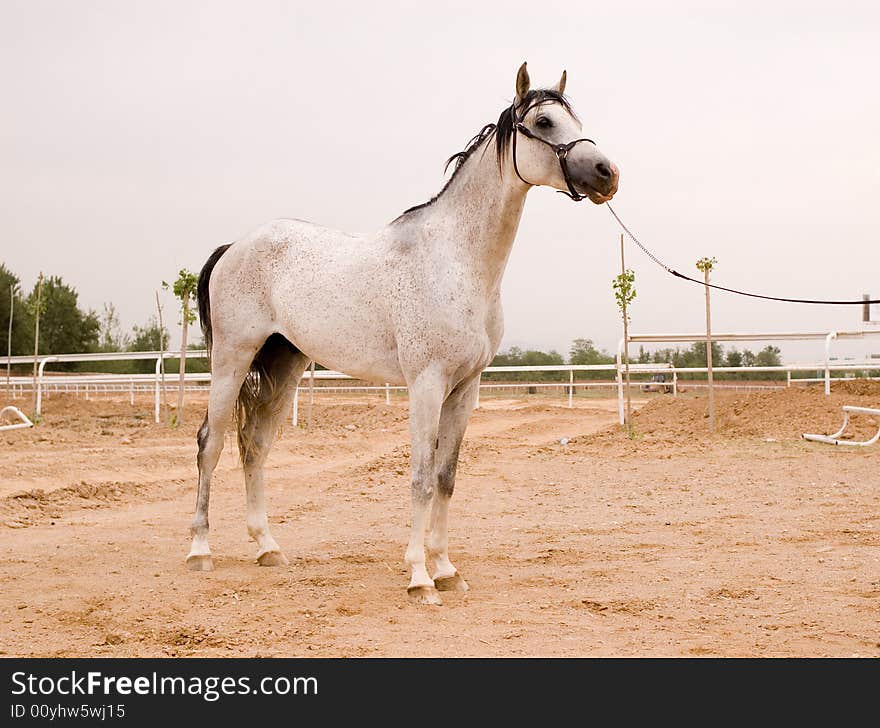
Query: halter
(561, 151)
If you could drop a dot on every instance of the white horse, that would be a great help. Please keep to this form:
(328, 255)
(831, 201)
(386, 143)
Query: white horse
(417, 303)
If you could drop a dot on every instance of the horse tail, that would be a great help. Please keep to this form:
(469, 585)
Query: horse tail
(203, 293)
(261, 392)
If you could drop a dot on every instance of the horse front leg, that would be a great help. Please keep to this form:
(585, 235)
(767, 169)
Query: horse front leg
(426, 399)
(454, 418)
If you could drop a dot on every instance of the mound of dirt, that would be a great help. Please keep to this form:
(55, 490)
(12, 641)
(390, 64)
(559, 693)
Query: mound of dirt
(30, 507)
(352, 416)
(859, 387)
(772, 416)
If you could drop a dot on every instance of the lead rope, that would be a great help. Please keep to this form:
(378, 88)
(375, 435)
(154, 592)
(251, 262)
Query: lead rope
(675, 273)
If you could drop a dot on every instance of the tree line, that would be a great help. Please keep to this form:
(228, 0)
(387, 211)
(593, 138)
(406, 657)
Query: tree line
(584, 351)
(67, 328)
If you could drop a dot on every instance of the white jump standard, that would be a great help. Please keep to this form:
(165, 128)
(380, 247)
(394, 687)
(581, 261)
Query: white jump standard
(847, 411)
(25, 422)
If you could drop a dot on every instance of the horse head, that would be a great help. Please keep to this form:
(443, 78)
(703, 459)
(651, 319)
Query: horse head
(547, 143)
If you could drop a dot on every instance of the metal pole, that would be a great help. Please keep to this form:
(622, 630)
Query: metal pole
(387, 393)
(709, 357)
(156, 406)
(37, 338)
(9, 337)
(295, 418)
(619, 365)
(161, 362)
(181, 385)
(570, 388)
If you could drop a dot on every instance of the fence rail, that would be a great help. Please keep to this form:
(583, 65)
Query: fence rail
(96, 383)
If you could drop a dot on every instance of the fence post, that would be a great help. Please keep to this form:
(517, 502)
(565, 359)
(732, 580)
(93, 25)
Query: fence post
(674, 384)
(296, 406)
(570, 388)
(387, 393)
(39, 393)
(828, 339)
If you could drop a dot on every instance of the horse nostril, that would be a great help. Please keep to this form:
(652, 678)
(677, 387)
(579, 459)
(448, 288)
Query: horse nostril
(603, 170)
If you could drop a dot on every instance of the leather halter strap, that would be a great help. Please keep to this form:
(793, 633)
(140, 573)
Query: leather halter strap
(561, 151)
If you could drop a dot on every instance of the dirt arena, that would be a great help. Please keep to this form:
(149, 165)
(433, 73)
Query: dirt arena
(751, 542)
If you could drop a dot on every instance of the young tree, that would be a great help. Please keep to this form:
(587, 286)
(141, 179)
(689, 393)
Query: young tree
(624, 294)
(705, 266)
(184, 288)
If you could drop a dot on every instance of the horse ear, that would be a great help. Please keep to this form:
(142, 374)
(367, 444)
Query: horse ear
(560, 87)
(523, 83)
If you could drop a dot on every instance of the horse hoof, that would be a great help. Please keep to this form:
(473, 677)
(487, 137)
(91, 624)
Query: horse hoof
(199, 562)
(424, 595)
(451, 583)
(272, 558)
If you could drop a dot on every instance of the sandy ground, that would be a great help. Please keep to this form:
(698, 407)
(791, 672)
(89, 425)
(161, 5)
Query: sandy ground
(674, 542)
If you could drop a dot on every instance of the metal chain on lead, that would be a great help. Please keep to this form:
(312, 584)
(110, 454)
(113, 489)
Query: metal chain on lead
(675, 273)
(637, 242)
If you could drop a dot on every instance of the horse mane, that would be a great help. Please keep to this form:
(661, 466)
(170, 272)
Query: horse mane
(502, 131)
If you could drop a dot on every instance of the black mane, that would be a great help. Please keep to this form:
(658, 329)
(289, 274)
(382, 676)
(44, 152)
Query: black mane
(502, 131)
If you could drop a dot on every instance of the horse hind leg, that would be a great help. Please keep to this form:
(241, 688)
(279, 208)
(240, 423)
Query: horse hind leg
(228, 373)
(266, 398)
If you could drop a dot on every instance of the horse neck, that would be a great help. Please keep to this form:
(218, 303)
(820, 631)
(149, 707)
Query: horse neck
(480, 211)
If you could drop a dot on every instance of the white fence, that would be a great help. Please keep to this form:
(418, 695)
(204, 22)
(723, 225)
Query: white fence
(826, 336)
(89, 384)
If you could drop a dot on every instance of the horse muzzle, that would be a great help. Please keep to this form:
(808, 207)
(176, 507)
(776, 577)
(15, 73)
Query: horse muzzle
(601, 181)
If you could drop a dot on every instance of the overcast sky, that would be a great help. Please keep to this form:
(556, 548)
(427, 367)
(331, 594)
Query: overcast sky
(137, 136)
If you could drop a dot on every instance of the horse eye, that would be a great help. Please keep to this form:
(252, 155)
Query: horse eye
(544, 123)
